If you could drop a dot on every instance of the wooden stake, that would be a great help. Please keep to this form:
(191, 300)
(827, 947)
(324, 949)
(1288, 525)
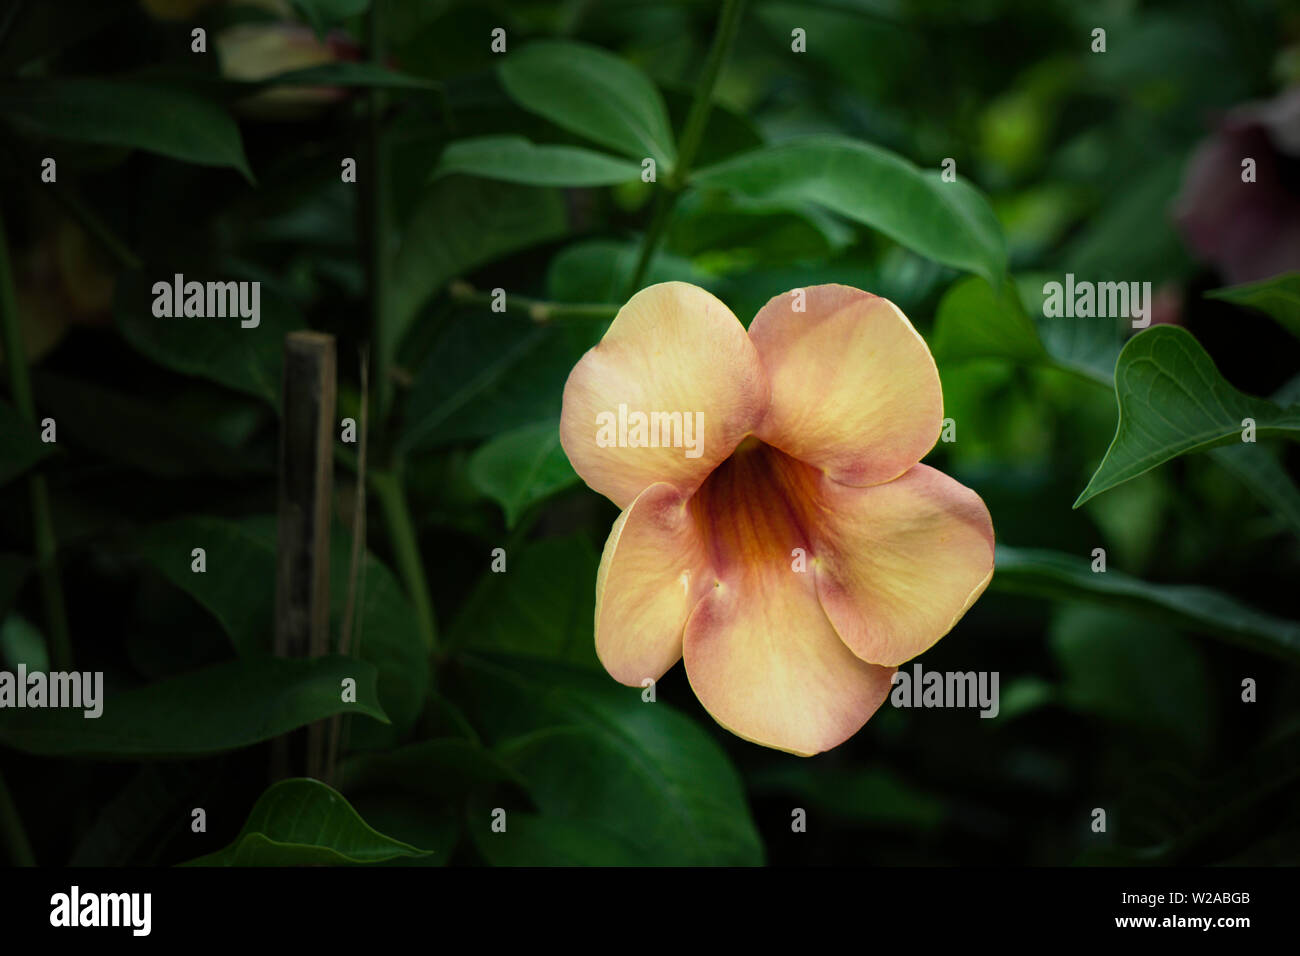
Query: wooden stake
(302, 599)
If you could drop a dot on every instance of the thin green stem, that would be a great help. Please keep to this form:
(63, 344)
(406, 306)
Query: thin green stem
(698, 118)
(12, 833)
(539, 310)
(20, 388)
(387, 488)
(697, 121)
(101, 231)
(377, 223)
(47, 546)
(665, 201)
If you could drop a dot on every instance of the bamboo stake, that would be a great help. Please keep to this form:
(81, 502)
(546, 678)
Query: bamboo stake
(302, 602)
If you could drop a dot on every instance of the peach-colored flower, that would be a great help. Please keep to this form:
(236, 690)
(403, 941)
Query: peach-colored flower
(814, 425)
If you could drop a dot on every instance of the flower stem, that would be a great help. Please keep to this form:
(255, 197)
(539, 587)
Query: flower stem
(664, 203)
(689, 144)
(376, 225)
(387, 488)
(698, 118)
(20, 388)
(97, 228)
(539, 310)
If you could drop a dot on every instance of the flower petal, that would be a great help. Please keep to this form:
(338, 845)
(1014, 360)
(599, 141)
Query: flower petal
(898, 564)
(854, 388)
(673, 348)
(652, 573)
(764, 660)
(760, 652)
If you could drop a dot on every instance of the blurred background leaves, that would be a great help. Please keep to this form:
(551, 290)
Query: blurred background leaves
(524, 171)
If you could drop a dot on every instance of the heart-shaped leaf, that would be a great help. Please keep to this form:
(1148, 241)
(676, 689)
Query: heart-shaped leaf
(303, 822)
(1172, 401)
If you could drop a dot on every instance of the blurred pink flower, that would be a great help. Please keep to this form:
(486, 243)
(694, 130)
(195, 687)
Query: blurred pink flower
(256, 51)
(1248, 230)
(1167, 309)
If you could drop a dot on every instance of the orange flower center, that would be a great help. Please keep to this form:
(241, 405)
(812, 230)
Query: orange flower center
(755, 509)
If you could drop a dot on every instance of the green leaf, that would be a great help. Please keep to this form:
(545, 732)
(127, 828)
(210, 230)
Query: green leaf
(142, 434)
(303, 822)
(446, 769)
(161, 119)
(595, 94)
(1137, 674)
(1063, 577)
(134, 827)
(14, 569)
(1087, 347)
(532, 840)
(324, 15)
(231, 705)
(1173, 401)
(860, 796)
(1023, 695)
(522, 467)
(976, 321)
(543, 606)
(598, 270)
(490, 373)
(20, 444)
(1260, 471)
(460, 224)
(514, 159)
(616, 780)
(1182, 818)
(384, 633)
(726, 131)
(734, 231)
(973, 322)
(238, 587)
(411, 820)
(247, 360)
(419, 792)
(22, 643)
(1132, 232)
(1278, 296)
(948, 222)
